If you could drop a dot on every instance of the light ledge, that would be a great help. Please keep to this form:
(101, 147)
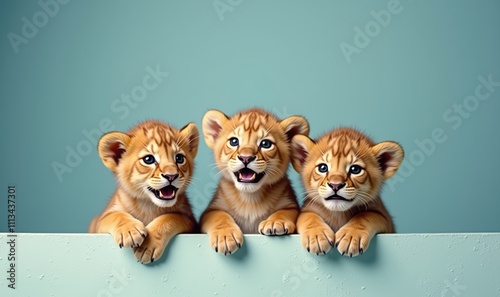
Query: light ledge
(458, 264)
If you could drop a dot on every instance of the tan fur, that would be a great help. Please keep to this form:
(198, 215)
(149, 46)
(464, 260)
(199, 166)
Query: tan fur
(134, 215)
(268, 205)
(348, 225)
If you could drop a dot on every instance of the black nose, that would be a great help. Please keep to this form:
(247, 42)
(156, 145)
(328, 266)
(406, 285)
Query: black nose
(170, 177)
(246, 159)
(336, 186)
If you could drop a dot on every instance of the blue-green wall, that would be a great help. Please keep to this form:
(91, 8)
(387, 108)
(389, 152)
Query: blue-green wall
(282, 55)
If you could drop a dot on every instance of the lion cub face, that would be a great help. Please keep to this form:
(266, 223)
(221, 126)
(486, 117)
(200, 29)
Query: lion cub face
(153, 161)
(344, 168)
(251, 148)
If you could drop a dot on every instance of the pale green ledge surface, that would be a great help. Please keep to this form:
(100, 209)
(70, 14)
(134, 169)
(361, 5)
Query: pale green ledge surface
(465, 264)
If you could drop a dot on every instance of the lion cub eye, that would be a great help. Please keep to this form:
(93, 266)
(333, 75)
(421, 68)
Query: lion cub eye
(233, 141)
(179, 158)
(323, 168)
(149, 159)
(265, 143)
(355, 169)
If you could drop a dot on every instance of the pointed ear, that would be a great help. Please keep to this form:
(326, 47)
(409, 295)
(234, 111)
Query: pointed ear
(294, 125)
(111, 147)
(212, 124)
(389, 156)
(301, 146)
(190, 134)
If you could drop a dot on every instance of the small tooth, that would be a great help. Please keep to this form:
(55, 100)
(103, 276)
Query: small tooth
(253, 176)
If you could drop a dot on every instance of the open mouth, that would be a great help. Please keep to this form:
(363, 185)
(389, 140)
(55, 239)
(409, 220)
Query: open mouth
(246, 175)
(338, 197)
(166, 193)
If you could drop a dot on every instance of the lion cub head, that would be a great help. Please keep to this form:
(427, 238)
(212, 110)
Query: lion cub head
(344, 168)
(252, 148)
(152, 161)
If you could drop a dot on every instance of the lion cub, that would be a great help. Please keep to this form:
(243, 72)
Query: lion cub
(342, 173)
(153, 164)
(252, 150)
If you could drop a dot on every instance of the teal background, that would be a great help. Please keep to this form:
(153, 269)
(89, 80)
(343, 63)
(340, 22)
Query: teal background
(284, 56)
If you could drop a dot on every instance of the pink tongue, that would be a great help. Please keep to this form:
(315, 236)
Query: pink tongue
(167, 192)
(247, 174)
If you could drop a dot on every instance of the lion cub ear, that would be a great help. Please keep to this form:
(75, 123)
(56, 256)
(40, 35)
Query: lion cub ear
(190, 134)
(111, 147)
(301, 147)
(389, 156)
(295, 125)
(212, 124)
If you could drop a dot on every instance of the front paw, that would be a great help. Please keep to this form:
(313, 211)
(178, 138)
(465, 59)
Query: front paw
(352, 241)
(276, 227)
(226, 240)
(318, 240)
(151, 249)
(130, 234)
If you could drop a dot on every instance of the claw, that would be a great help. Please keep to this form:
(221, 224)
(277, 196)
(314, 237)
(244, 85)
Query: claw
(216, 249)
(308, 249)
(286, 231)
(343, 253)
(361, 251)
(274, 231)
(120, 245)
(239, 245)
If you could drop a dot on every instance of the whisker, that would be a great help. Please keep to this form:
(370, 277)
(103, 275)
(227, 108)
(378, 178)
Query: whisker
(365, 199)
(274, 172)
(314, 199)
(310, 194)
(180, 141)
